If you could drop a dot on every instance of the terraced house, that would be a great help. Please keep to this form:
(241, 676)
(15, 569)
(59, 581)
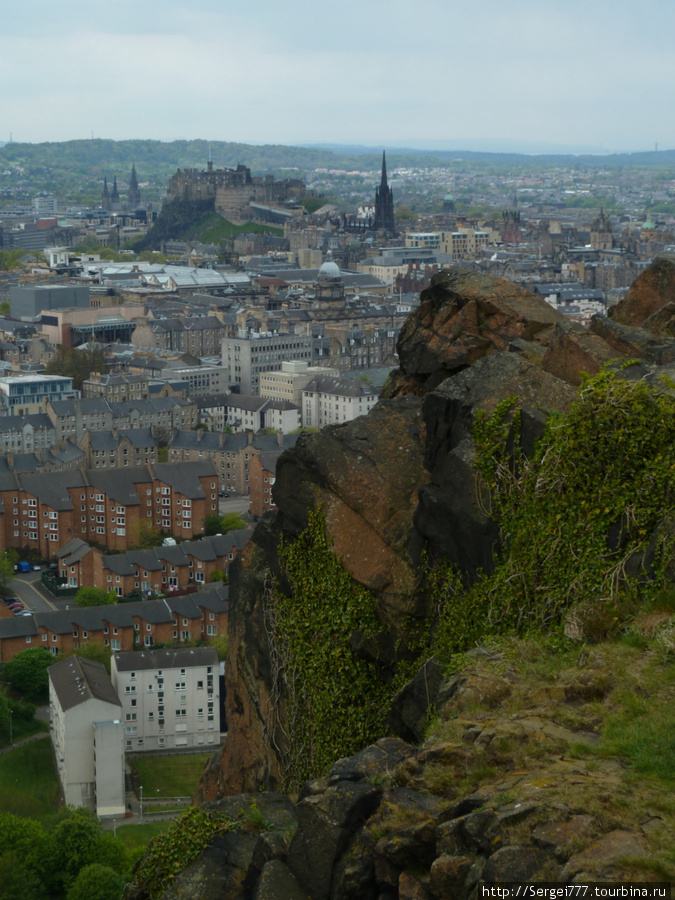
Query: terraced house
(121, 626)
(160, 569)
(108, 507)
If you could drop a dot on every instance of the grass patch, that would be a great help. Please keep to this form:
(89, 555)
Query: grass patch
(643, 732)
(29, 785)
(137, 837)
(212, 228)
(169, 776)
(22, 729)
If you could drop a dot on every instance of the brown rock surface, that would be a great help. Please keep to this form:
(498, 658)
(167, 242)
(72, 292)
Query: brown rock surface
(463, 317)
(652, 290)
(573, 350)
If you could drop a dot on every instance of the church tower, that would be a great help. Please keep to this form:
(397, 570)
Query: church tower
(134, 194)
(115, 196)
(384, 203)
(105, 196)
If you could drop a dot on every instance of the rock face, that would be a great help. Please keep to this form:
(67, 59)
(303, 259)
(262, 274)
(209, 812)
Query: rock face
(402, 480)
(462, 318)
(648, 294)
(396, 821)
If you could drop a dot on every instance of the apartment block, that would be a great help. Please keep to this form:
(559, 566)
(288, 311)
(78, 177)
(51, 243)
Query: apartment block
(170, 698)
(246, 357)
(110, 507)
(330, 401)
(87, 735)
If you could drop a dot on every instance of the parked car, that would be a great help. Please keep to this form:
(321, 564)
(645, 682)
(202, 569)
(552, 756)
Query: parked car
(36, 568)
(10, 598)
(23, 612)
(16, 606)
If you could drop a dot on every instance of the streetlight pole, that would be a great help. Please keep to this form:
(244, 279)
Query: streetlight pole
(11, 739)
(141, 789)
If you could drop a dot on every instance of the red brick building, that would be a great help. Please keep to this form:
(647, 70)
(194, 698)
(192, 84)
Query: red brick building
(121, 626)
(112, 507)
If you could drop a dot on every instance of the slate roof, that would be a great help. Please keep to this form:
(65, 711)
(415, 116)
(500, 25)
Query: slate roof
(72, 552)
(39, 421)
(52, 487)
(184, 478)
(77, 680)
(119, 483)
(190, 440)
(182, 658)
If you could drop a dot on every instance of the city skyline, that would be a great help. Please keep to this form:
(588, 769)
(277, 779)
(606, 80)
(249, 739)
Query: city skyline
(523, 77)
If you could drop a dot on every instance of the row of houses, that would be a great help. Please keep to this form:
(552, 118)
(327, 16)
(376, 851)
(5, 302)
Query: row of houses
(113, 508)
(197, 616)
(155, 570)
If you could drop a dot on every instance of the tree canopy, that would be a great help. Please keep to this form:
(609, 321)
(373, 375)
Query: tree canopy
(27, 673)
(92, 596)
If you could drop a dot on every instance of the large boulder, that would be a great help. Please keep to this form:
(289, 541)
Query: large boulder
(652, 290)
(462, 317)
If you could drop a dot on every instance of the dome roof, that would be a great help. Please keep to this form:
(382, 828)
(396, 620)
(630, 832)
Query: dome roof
(329, 269)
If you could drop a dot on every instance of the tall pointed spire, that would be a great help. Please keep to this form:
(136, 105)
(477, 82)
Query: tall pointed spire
(384, 202)
(105, 196)
(134, 194)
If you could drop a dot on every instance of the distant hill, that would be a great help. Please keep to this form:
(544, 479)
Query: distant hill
(74, 170)
(156, 160)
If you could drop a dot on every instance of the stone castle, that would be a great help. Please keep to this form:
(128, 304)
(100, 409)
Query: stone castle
(232, 190)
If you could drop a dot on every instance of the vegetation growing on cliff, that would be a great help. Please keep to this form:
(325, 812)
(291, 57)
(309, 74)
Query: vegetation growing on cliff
(585, 521)
(336, 702)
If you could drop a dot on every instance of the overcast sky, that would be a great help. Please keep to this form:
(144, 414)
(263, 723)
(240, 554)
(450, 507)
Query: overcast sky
(579, 73)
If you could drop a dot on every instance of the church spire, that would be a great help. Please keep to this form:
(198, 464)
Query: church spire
(384, 202)
(134, 194)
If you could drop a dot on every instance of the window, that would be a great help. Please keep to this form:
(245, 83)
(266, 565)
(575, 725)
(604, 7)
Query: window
(181, 713)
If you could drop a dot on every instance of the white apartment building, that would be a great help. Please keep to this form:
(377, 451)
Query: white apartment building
(87, 734)
(330, 401)
(170, 698)
(289, 381)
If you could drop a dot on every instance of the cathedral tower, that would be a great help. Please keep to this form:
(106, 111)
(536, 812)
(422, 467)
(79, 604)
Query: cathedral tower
(134, 194)
(384, 203)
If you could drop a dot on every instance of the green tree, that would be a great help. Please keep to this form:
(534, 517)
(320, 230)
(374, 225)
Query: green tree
(216, 524)
(96, 882)
(148, 537)
(232, 522)
(27, 673)
(19, 880)
(212, 524)
(95, 597)
(7, 562)
(5, 308)
(96, 651)
(78, 841)
(218, 575)
(25, 837)
(77, 364)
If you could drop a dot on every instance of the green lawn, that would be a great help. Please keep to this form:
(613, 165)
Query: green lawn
(29, 785)
(169, 776)
(136, 837)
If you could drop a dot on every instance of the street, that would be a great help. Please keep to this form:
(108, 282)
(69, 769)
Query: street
(30, 590)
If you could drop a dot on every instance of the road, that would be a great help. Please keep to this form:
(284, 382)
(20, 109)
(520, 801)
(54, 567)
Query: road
(31, 591)
(235, 503)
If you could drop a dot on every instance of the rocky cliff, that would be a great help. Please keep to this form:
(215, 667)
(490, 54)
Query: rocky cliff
(397, 492)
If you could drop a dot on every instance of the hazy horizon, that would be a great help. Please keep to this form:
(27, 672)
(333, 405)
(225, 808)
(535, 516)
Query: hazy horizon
(575, 78)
